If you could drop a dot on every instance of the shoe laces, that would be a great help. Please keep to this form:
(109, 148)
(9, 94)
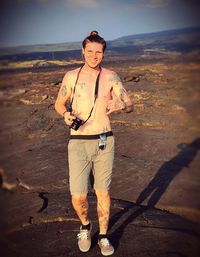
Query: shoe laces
(83, 234)
(105, 242)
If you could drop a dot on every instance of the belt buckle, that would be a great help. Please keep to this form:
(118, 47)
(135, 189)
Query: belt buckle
(102, 142)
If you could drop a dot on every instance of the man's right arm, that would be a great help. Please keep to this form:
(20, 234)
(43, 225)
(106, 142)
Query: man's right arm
(62, 98)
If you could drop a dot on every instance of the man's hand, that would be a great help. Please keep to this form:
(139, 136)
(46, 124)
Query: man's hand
(68, 118)
(115, 105)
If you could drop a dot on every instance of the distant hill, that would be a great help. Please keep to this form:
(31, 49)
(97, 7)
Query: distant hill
(172, 40)
(40, 48)
(179, 39)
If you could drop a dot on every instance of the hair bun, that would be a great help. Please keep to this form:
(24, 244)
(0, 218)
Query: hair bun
(94, 32)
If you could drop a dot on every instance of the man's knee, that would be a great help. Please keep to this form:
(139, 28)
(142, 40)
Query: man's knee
(79, 199)
(102, 194)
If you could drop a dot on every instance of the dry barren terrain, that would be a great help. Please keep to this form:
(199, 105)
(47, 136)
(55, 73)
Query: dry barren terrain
(157, 160)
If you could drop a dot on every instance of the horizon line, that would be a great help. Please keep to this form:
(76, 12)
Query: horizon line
(77, 42)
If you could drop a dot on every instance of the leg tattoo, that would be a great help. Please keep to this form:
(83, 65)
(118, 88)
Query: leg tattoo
(80, 205)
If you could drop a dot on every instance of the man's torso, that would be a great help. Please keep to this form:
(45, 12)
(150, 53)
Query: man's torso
(83, 101)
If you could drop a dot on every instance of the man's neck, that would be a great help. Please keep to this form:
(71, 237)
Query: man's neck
(91, 70)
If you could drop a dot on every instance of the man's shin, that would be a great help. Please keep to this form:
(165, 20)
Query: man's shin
(80, 204)
(103, 210)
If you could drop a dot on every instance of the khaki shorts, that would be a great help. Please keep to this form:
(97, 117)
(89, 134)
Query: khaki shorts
(85, 156)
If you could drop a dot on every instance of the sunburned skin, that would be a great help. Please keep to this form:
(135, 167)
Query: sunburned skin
(111, 97)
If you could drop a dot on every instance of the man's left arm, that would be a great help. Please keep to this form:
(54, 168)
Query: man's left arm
(120, 98)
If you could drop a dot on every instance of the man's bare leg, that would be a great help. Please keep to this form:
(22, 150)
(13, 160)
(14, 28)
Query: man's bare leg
(103, 210)
(80, 204)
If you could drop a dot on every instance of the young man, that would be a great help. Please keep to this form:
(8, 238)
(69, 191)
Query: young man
(93, 93)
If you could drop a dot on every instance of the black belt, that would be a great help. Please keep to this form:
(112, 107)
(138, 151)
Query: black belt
(108, 134)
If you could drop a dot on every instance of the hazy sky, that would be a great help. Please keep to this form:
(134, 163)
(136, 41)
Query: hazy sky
(24, 22)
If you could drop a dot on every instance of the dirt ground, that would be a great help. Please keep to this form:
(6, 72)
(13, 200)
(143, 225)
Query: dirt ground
(157, 156)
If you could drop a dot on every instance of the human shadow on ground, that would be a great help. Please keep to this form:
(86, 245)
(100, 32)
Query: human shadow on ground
(156, 187)
(167, 172)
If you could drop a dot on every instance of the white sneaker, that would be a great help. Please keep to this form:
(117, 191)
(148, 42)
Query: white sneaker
(84, 239)
(106, 247)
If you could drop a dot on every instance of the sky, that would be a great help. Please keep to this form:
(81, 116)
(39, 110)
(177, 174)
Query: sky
(29, 22)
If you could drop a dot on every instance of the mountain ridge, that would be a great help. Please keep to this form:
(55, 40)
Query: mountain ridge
(185, 38)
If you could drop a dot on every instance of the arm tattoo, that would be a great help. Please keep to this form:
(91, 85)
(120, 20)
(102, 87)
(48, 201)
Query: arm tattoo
(115, 78)
(64, 90)
(122, 93)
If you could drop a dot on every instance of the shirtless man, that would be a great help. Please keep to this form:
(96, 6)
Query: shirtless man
(93, 92)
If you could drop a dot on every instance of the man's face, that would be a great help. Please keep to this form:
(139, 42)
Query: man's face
(93, 54)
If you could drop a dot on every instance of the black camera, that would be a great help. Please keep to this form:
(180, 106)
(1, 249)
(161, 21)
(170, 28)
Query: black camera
(76, 123)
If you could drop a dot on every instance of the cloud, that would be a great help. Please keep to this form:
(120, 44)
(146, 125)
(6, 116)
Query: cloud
(75, 3)
(157, 3)
(41, 1)
(72, 3)
(82, 3)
